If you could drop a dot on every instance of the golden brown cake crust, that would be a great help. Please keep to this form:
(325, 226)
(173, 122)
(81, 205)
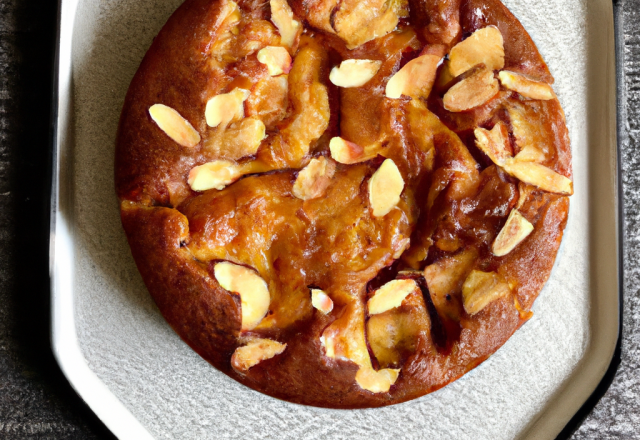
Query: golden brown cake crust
(178, 235)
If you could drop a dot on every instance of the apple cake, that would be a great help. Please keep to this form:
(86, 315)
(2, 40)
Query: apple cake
(343, 203)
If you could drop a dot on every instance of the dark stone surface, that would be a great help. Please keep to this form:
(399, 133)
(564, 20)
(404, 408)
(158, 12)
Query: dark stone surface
(36, 401)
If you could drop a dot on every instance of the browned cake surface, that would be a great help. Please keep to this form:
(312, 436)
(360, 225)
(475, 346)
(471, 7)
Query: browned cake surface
(440, 235)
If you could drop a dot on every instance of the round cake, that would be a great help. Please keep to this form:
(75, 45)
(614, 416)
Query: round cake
(343, 203)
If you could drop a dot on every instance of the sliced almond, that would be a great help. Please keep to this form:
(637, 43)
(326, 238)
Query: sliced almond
(472, 92)
(321, 301)
(282, 17)
(240, 139)
(385, 187)
(376, 381)
(526, 87)
(174, 125)
(390, 296)
(348, 153)
(516, 229)
(485, 46)
(313, 181)
(482, 288)
(216, 174)
(253, 291)
(226, 108)
(415, 79)
(277, 59)
(538, 175)
(494, 143)
(354, 73)
(256, 351)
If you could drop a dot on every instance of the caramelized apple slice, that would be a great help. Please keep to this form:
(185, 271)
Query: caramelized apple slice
(472, 92)
(269, 100)
(385, 187)
(277, 59)
(256, 351)
(344, 338)
(415, 79)
(390, 296)
(354, 73)
(482, 288)
(526, 87)
(516, 229)
(357, 21)
(445, 277)
(253, 291)
(376, 381)
(239, 140)
(312, 182)
(174, 125)
(484, 46)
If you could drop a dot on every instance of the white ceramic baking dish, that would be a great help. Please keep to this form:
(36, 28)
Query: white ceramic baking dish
(143, 382)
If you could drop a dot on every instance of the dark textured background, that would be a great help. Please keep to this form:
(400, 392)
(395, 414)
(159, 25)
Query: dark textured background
(35, 399)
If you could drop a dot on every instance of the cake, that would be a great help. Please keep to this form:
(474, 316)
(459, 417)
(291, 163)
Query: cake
(344, 204)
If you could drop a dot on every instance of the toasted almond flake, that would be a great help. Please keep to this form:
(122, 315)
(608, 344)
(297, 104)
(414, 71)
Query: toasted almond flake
(472, 92)
(494, 143)
(516, 229)
(354, 73)
(277, 59)
(226, 107)
(539, 176)
(390, 296)
(321, 301)
(174, 125)
(345, 152)
(482, 288)
(526, 87)
(253, 291)
(376, 381)
(282, 17)
(485, 46)
(256, 351)
(385, 187)
(216, 174)
(313, 181)
(415, 79)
